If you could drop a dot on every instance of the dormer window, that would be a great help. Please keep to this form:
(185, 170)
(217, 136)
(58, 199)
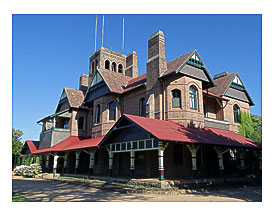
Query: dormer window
(120, 67)
(114, 66)
(107, 64)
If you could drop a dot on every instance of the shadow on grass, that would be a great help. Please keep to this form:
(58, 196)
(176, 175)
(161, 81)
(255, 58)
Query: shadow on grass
(18, 198)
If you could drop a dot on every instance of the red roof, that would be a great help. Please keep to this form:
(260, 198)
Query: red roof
(171, 131)
(71, 143)
(33, 145)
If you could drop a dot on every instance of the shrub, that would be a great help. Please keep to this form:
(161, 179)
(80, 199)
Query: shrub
(28, 171)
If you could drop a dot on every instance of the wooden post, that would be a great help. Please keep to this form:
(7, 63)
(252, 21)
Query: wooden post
(132, 162)
(193, 148)
(220, 151)
(65, 162)
(47, 162)
(162, 147)
(110, 163)
(55, 159)
(77, 154)
(92, 161)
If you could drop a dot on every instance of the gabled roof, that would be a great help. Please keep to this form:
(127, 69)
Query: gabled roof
(222, 84)
(135, 83)
(32, 145)
(75, 97)
(171, 131)
(72, 143)
(115, 81)
(175, 64)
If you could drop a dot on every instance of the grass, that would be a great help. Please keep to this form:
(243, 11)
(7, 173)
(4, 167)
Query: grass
(18, 198)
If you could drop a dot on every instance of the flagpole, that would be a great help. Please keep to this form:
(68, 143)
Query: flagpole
(95, 30)
(122, 34)
(102, 31)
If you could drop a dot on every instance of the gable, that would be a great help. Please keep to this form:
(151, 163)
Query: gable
(195, 68)
(125, 131)
(194, 72)
(238, 91)
(237, 94)
(63, 102)
(97, 88)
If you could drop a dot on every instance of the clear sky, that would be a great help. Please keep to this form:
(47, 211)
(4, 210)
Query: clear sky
(51, 51)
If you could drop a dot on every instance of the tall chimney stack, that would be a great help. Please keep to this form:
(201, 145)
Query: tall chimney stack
(131, 65)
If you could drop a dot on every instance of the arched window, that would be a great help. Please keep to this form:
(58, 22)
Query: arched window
(96, 63)
(193, 93)
(142, 107)
(97, 114)
(112, 110)
(237, 113)
(120, 67)
(113, 66)
(107, 64)
(176, 98)
(80, 123)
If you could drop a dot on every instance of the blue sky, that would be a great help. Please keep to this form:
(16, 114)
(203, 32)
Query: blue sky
(51, 51)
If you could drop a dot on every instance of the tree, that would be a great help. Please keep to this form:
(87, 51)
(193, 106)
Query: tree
(17, 145)
(251, 126)
(257, 125)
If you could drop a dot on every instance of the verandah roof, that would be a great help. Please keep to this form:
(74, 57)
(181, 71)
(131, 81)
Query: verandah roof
(171, 131)
(71, 143)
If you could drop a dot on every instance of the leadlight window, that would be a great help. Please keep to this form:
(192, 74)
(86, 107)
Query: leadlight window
(107, 64)
(120, 68)
(113, 66)
(81, 123)
(112, 111)
(193, 93)
(237, 113)
(97, 114)
(142, 107)
(176, 98)
(91, 120)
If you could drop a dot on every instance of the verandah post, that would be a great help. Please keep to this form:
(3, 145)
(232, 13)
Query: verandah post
(161, 149)
(132, 162)
(193, 148)
(65, 162)
(110, 163)
(55, 159)
(92, 161)
(77, 154)
(220, 151)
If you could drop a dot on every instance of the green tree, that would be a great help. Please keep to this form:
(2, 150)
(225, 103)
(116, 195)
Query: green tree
(257, 125)
(17, 145)
(251, 126)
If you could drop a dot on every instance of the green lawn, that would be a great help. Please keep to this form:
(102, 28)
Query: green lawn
(18, 198)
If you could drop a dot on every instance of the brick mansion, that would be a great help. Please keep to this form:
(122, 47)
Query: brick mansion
(173, 122)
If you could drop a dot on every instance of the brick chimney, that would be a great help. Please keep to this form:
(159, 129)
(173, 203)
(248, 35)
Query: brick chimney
(131, 65)
(156, 65)
(83, 83)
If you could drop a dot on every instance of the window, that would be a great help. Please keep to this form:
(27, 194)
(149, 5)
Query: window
(112, 111)
(80, 123)
(120, 68)
(237, 114)
(178, 154)
(107, 64)
(113, 66)
(176, 98)
(142, 107)
(96, 64)
(97, 114)
(193, 97)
